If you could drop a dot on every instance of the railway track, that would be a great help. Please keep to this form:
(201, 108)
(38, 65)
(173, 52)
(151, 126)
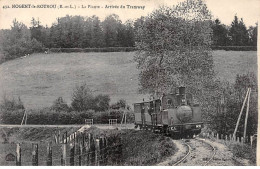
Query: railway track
(197, 153)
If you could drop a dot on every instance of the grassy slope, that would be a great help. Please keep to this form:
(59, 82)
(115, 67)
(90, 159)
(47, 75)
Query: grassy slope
(39, 79)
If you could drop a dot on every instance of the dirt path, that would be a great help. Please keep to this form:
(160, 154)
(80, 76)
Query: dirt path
(223, 157)
(200, 154)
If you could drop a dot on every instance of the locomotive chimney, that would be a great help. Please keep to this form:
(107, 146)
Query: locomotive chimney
(182, 90)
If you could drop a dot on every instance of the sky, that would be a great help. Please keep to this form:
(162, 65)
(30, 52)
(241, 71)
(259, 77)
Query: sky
(225, 10)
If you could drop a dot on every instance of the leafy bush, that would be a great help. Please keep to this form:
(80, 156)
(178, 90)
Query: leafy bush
(60, 105)
(11, 104)
(145, 148)
(83, 99)
(121, 104)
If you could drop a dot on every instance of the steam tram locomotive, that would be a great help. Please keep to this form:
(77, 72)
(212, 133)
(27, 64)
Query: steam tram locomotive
(175, 114)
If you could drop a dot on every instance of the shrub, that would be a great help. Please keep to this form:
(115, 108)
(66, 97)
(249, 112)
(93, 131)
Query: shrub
(83, 99)
(145, 148)
(60, 105)
(11, 104)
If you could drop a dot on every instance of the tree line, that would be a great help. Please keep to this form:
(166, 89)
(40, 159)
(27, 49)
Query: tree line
(91, 32)
(235, 34)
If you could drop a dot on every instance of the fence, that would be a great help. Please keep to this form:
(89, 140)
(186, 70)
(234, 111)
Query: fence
(89, 121)
(74, 149)
(249, 139)
(112, 122)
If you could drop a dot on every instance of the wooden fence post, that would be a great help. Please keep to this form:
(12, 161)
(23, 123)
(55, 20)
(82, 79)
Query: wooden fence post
(49, 154)
(72, 153)
(92, 149)
(55, 138)
(97, 157)
(83, 149)
(251, 141)
(80, 153)
(59, 137)
(87, 148)
(105, 151)
(66, 141)
(242, 139)
(217, 136)
(18, 155)
(34, 154)
(101, 147)
(63, 154)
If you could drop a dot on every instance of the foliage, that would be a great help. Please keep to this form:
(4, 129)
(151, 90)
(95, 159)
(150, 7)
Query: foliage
(235, 48)
(145, 148)
(238, 33)
(121, 104)
(244, 151)
(11, 104)
(83, 99)
(220, 34)
(101, 102)
(18, 42)
(229, 103)
(11, 110)
(174, 49)
(48, 116)
(252, 31)
(60, 105)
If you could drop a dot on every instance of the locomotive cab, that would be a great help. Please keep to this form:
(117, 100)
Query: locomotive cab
(184, 117)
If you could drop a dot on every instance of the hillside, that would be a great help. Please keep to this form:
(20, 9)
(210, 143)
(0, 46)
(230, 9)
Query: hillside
(39, 79)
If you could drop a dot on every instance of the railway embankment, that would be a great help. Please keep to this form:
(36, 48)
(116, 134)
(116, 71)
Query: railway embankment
(140, 148)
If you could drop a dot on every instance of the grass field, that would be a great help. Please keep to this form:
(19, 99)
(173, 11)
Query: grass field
(39, 79)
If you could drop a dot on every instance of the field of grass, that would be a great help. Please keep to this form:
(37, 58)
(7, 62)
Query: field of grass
(39, 79)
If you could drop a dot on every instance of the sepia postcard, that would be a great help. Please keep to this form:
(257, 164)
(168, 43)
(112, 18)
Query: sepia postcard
(129, 82)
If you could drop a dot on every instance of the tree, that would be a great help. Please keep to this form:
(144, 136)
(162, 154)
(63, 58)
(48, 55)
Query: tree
(60, 105)
(238, 33)
(96, 33)
(220, 34)
(252, 31)
(111, 26)
(174, 47)
(18, 42)
(102, 102)
(82, 98)
(233, 95)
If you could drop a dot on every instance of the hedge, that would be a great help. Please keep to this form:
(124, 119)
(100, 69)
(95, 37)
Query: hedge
(130, 49)
(51, 117)
(235, 48)
(108, 49)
